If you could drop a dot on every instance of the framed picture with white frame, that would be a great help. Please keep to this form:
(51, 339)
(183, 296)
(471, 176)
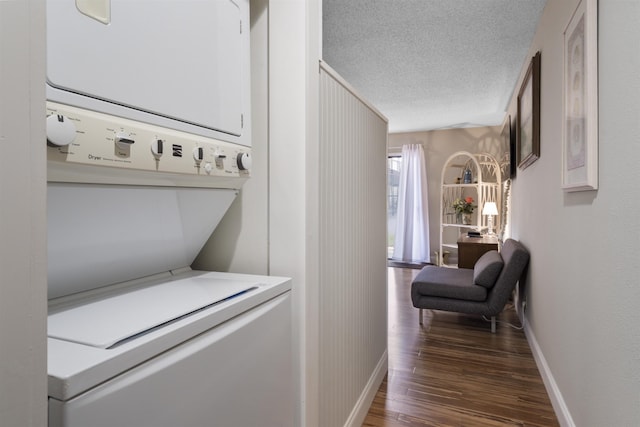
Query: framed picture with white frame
(580, 99)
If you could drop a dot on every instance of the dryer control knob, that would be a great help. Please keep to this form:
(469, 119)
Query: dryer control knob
(124, 140)
(157, 147)
(198, 154)
(244, 161)
(60, 130)
(208, 168)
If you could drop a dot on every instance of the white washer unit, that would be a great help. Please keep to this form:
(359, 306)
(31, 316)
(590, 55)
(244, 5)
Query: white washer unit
(148, 145)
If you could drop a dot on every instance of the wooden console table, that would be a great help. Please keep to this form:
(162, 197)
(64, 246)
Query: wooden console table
(472, 248)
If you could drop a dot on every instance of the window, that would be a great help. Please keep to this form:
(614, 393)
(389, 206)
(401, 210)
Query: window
(393, 182)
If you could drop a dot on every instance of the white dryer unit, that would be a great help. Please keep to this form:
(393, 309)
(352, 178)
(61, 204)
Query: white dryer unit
(180, 64)
(148, 145)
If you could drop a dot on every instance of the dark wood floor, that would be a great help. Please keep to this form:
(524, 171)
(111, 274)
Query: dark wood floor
(454, 372)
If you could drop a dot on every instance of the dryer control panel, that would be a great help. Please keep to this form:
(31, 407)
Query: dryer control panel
(79, 139)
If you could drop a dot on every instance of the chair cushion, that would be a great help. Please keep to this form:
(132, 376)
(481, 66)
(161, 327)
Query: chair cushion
(487, 269)
(443, 282)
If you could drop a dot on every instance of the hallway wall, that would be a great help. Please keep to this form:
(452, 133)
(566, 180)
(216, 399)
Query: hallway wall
(582, 288)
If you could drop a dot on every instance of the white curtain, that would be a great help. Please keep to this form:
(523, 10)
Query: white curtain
(412, 224)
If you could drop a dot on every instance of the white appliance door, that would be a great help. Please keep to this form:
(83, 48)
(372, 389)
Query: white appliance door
(99, 235)
(172, 58)
(238, 374)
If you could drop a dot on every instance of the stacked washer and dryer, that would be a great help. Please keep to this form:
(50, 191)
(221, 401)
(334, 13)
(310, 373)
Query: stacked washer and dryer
(148, 145)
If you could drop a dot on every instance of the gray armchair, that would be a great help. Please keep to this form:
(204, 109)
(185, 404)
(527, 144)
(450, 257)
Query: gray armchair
(483, 290)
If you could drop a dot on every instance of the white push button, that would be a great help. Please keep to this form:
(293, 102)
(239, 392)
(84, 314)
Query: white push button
(60, 130)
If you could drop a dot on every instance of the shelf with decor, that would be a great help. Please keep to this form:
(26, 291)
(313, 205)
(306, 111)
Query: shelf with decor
(468, 181)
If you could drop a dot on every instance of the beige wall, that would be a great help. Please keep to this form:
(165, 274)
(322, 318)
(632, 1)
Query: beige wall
(438, 145)
(582, 289)
(292, 112)
(23, 270)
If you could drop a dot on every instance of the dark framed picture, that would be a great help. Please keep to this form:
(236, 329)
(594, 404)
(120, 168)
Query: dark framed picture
(508, 138)
(528, 121)
(580, 100)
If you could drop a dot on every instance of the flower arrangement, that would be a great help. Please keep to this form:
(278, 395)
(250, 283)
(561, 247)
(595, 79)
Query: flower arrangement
(464, 205)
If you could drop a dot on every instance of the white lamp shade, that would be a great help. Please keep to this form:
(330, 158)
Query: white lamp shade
(490, 208)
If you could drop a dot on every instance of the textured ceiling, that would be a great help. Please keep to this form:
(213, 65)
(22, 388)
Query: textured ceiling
(431, 64)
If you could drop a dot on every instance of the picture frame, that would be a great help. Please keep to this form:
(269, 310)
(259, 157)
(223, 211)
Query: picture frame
(528, 120)
(508, 139)
(580, 100)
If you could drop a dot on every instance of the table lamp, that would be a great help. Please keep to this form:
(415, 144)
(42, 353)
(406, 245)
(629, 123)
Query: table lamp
(490, 209)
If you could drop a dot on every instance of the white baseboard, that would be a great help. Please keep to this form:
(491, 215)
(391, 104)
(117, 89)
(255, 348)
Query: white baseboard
(360, 410)
(559, 406)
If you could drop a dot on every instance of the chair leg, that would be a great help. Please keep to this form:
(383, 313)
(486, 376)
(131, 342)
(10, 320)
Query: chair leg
(420, 315)
(493, 324)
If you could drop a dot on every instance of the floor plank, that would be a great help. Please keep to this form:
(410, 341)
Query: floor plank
(453, 371)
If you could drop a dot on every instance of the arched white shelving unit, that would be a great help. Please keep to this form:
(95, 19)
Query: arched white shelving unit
(485, 187)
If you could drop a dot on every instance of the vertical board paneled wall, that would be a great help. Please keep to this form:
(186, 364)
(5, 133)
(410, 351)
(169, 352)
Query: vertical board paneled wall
(353, 234)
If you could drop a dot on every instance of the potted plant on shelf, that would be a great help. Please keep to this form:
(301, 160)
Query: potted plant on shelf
(464, 208)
